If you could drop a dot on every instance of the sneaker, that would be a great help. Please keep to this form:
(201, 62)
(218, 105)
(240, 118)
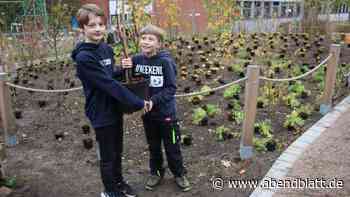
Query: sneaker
(112, 194)
(126, 189)
(183, 183)
(153, 181)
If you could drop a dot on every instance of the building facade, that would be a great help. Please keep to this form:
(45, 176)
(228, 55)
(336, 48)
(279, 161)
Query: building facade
(256, 15)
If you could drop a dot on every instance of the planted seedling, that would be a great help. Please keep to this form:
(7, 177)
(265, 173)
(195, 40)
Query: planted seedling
(260, 144)
(222, 133)
(232, 91)
(264, 128)
(237, 116)
(212, 110)
(293, 121)
(304, 111)
(234, 104)
(299, 89)
(199, 117)
(291, 100)
(195, 100)
(236, 68)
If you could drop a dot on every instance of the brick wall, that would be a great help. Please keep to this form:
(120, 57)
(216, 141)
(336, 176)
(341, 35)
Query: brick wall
(187, 22)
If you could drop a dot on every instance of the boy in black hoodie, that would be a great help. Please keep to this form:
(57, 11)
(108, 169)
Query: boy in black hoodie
(95, 64)
(160, 122)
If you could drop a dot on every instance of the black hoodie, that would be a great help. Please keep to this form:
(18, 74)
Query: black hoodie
(95, 65)
(161, 69)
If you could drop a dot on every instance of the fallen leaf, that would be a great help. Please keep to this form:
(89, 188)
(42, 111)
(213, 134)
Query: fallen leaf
(242, 171)
(226, 163)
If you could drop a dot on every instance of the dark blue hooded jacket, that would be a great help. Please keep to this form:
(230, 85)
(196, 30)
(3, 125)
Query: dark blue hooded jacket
(161, 69)
(95, 69)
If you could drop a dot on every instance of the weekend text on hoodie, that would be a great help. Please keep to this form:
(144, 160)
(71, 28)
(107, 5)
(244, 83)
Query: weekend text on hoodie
(161, 70)
(95, 69)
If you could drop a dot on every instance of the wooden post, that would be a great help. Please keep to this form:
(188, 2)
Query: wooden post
(6, 112)
(250, 101)
(326, 103)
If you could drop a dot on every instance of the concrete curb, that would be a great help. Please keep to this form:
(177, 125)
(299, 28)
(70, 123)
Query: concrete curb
(285, 161)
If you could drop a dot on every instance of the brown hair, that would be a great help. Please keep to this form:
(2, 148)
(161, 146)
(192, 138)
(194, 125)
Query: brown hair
(85, 10)
(154, 30)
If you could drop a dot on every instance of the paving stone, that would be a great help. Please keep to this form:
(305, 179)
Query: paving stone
(307, 139)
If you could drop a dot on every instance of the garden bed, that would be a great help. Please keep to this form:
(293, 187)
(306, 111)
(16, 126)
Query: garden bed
(51, 157)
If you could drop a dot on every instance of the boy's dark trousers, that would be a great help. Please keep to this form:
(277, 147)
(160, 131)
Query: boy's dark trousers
(158, 131)
(110, 142)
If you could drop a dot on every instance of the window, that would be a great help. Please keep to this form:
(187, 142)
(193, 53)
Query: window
(275, 9)
(267, 9)
(247, 5)
(284, 7)
(258, 7)
(298, 11)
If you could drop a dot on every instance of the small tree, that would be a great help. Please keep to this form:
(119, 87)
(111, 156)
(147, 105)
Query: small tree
(58, 19)
(140, 17)
(221, 13)
(170, 15)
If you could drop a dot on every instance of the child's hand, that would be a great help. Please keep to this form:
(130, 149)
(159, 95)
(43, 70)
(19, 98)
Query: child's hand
(148, 106)
(126, 63)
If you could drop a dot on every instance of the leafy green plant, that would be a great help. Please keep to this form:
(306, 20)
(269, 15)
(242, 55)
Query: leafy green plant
(260, 144)
(236, 68)
(264, 128)
(293, 121)
(235, 104)
(304, 111)
(291, 100)
(319, 77)
(232, 91)
(296, 71)
(220, 132)
(299, 89)
(238, 116)
(195, 100)
(212, 110)
(206, 88)
(198, 115)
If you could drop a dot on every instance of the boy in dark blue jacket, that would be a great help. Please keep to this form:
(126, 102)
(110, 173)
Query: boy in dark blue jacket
(95, 64)
(160, 122)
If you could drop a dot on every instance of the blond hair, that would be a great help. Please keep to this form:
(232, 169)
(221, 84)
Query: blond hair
(153, 30)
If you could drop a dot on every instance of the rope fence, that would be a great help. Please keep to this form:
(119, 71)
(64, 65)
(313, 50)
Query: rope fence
(180, 95)
(43, 90)
(212, 90)
(300, 76)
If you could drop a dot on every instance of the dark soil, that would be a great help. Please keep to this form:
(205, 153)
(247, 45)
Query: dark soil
(45, 165)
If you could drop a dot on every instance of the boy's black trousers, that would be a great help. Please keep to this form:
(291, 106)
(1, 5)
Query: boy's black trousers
(158, 131)
(110, 143)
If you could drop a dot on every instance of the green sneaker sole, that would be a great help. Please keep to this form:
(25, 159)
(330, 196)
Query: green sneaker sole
(186, 189)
